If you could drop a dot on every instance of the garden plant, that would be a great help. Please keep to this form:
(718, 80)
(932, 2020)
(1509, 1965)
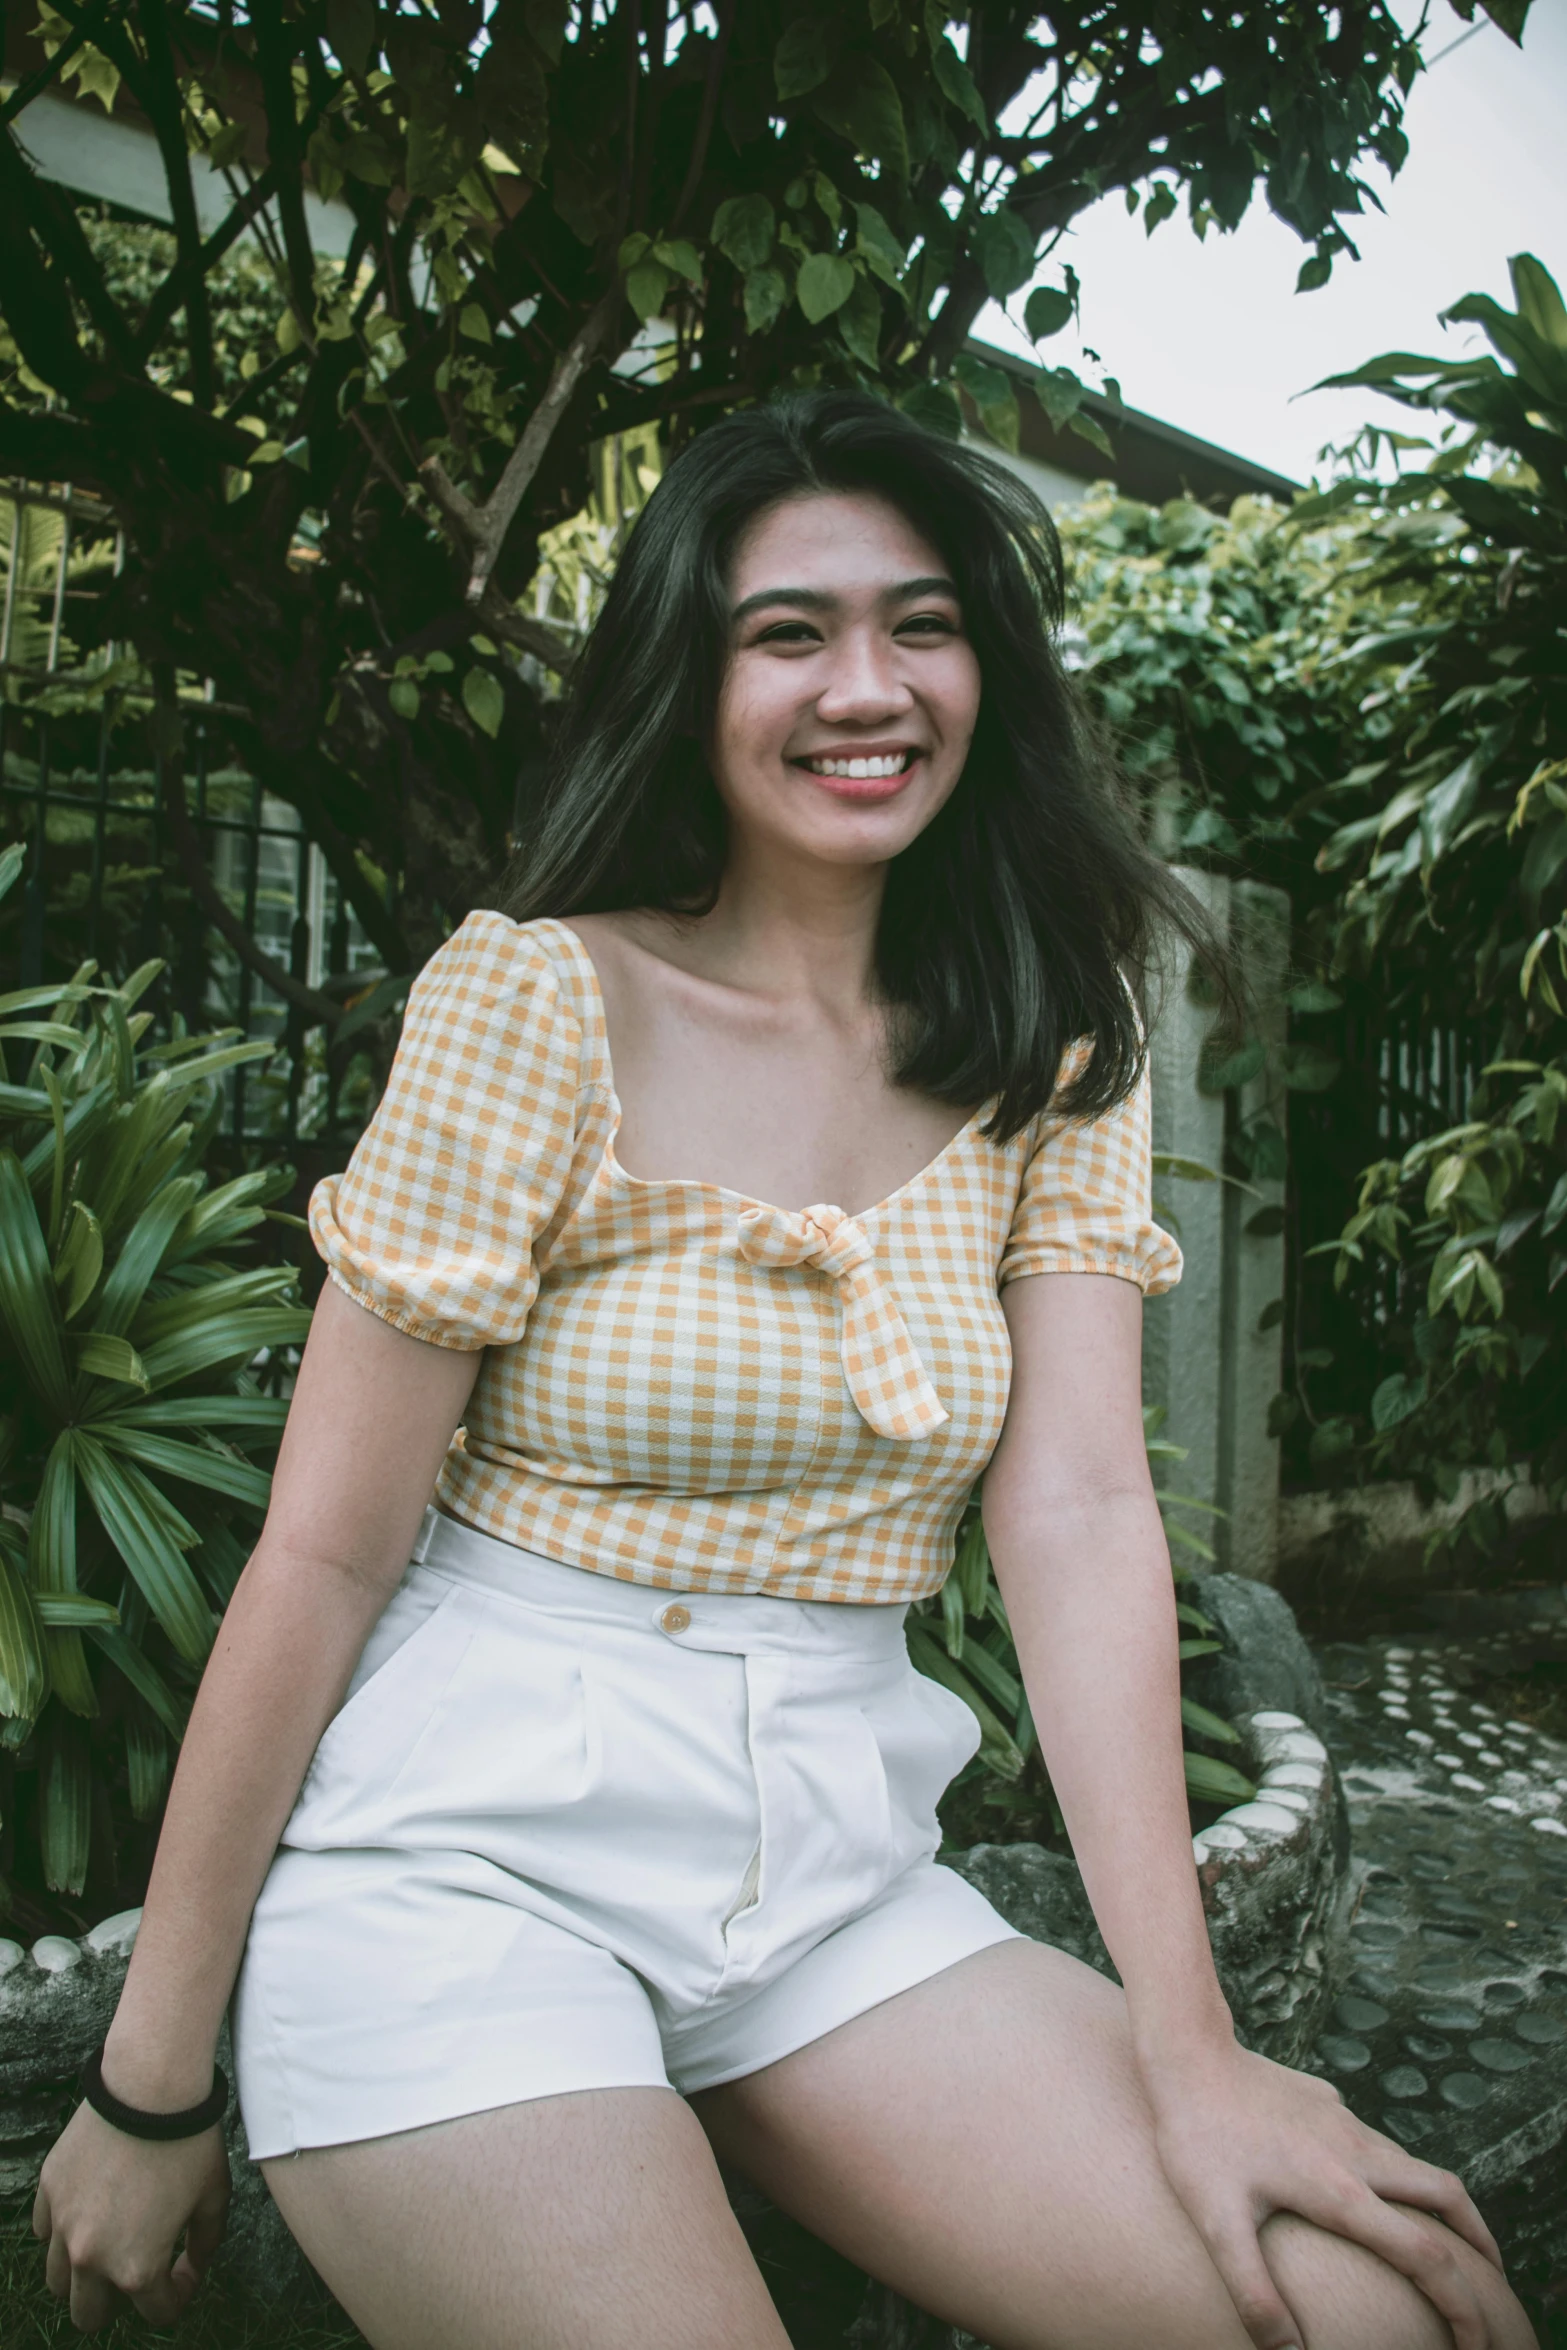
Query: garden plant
(134, 1428)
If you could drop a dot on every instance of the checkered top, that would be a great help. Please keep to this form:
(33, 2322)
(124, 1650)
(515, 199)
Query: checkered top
(685, 1387)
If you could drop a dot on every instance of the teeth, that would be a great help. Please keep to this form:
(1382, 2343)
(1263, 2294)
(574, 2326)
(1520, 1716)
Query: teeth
(859, 770)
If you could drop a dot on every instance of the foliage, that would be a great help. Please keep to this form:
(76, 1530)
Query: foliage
(335, 433)
(1453, 882)
(1364, 700)
(963, 1640)
(129, 1408)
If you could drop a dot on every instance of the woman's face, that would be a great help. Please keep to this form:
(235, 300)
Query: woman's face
(851, 691)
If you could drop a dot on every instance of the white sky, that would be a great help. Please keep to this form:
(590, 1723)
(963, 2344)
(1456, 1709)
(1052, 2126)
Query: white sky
(1211, 336)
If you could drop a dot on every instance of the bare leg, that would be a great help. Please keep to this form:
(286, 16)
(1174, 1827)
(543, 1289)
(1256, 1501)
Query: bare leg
(593, 2219)
(982, 2143)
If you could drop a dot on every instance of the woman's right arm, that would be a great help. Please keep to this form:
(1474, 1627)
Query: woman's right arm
(372, 1416)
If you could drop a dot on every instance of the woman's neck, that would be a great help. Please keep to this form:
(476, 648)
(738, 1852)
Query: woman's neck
(787, 928)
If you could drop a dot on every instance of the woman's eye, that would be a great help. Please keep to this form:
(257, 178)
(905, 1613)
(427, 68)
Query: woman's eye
(789, 632)
(928, 624)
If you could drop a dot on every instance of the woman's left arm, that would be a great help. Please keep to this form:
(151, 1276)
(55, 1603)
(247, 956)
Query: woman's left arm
(1081, 1561)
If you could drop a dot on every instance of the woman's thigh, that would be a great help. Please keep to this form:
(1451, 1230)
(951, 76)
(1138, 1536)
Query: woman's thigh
(982, 2143)
(597, 2217)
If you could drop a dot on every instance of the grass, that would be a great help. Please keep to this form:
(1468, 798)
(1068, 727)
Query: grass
(31, 2318)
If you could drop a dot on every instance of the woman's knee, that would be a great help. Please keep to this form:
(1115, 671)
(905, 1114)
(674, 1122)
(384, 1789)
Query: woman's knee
(1348, 2298)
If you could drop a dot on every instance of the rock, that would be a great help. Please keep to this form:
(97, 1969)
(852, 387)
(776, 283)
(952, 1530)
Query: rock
(1265, 1665)
(1273, 1875)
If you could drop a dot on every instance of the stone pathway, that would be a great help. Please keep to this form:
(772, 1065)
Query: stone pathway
(1450, 2032)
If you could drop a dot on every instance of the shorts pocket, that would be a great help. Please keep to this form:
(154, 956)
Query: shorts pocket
(413, 1650)
(925, 1735)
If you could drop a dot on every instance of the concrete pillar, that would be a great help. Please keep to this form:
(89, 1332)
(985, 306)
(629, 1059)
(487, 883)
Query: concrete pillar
(1207, 1359)
(1181, 1330)
(1252, 1334)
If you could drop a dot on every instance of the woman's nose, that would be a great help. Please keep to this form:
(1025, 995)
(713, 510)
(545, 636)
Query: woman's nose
(865, 684)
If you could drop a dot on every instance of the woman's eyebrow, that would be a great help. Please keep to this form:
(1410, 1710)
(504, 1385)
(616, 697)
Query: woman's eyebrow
(815, 600)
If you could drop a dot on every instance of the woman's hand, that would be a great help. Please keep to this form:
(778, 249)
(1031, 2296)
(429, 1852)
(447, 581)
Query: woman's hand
(112, 2208)
(1241, 2138)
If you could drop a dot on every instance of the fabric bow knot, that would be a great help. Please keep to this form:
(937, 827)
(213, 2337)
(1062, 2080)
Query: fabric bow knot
(886, 1377)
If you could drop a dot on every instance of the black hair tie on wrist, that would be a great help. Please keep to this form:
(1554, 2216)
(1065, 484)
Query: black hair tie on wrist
(157, 2126)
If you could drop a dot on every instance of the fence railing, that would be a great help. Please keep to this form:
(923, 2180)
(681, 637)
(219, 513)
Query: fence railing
(81, 781)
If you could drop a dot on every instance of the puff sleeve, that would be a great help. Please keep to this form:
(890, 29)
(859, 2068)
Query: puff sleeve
(1085, 1204)
(470, 1150)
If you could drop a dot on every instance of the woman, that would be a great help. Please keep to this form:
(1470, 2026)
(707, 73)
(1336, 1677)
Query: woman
(619, 1853)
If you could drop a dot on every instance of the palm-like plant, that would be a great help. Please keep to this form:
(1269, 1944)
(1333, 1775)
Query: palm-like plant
(129, 1405)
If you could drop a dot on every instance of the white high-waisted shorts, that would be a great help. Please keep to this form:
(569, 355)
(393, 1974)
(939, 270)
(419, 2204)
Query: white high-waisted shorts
(573, 1833)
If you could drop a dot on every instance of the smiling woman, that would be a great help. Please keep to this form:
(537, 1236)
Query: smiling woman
(777, 1164)
(1021, 911)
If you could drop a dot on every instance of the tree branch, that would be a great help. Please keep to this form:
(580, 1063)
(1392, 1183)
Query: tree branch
(58, 229)
(166, 300)
(275, 58)
(480, 531)
(705, 120)
(163, 106)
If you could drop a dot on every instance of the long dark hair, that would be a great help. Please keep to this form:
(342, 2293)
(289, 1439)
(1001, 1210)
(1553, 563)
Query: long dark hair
(1027, 913)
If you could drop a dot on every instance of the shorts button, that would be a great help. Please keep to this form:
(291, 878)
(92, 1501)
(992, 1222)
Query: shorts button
(676, 1618)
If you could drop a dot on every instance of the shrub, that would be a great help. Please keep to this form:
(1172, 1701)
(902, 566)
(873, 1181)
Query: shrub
(130, 1409)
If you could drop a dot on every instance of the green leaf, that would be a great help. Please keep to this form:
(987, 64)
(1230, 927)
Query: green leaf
(743, 230)
(143, 1676)
(1313, 995)
(1215, 1782)
(824, 284)
(1233, 1069)
(861, 104)
(29, 1303)
(51, 1567)
(141, 1253)
(1308, 1068)
(196, 1464)
(111, 1358)
(765, 295)
(805, 55)
(151, 1537)
(953, 79)
(65, 1805)
(1206, 1725)
(860, 322)
(228, 1413)
(73, 1610)
(484, 699)
(403, 695)
(935, 406)
(79, 1260)
(1396, 1400)
(24, 1680)
(1314, 272)
(350, 27)
(474, 324)
(646, 287)
(997, 1746)
(1186, 1649)
(877, 246)
(1047, 310)
(681, 257)
(1538, 297)
(146, 1760)
(224, 1344)
(1006, 251)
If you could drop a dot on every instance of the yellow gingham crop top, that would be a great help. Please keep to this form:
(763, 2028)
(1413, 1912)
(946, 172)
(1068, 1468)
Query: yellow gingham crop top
(685, 1387)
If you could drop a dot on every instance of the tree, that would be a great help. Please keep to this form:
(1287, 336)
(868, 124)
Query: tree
(335, 526)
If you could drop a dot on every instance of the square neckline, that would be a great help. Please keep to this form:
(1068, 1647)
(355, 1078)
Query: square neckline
(588, 970)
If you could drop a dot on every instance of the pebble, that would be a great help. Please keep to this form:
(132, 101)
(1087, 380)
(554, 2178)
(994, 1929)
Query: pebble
(1404, 2081)
(1498, 2056)
(1361, 2015)
(1344, 2055)
(1543, 2030)
(1469, 1785)
(1465, 2090)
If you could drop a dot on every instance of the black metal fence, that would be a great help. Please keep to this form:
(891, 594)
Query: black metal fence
(81, 781)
